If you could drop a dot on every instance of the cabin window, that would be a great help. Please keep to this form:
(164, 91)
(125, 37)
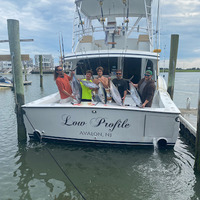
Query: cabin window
(91, 64)
(132, 66)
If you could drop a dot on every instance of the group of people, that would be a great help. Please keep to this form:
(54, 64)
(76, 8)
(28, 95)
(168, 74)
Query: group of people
(145, 87)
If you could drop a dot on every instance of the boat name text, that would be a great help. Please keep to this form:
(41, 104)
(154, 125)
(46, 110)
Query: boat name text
(97, 122)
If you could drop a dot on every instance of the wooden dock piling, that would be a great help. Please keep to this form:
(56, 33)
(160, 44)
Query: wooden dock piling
(14, 43)
(197, 147)
(41, 72)
(172, 64)
(25, 73)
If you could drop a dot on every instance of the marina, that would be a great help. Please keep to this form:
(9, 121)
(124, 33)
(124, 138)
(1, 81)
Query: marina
(130, 172)
(104, 149)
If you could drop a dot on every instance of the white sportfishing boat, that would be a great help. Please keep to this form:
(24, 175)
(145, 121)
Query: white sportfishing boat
(114, 34)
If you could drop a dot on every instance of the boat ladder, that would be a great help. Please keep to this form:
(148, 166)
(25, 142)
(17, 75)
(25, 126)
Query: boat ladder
(149, 21)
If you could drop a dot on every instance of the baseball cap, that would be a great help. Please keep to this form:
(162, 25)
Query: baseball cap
(148, 72)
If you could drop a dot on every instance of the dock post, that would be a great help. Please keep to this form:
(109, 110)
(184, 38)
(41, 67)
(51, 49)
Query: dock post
(25, 73)
(41, 72)
(197, 147)
(172, 64)
(14, 43)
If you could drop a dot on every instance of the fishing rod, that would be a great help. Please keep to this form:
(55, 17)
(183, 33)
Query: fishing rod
(88, 60)
(102, 18)
(60, 52)
(63, 48)
(81, 22)
(129, 80)
(78, 65)
(127, 15)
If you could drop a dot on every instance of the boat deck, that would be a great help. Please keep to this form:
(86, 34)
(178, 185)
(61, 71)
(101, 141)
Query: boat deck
(161, 103)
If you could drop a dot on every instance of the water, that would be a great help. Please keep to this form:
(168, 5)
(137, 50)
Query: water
(186, 85)
(28, 171)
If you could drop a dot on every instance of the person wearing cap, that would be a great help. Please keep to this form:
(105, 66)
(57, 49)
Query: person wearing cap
(146, 88)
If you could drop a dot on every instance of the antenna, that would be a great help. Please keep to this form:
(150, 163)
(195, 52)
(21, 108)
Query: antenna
(158, 27)
(60, 52)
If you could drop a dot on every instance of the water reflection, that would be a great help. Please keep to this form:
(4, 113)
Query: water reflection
(39, 176)
(104, 173)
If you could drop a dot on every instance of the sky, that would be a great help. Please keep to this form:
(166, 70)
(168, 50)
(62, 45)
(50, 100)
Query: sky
(45, 20)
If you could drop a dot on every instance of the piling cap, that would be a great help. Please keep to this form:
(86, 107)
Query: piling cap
(148, 72)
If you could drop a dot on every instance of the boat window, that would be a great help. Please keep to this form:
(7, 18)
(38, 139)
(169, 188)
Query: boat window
(91, 64)
(132, 66)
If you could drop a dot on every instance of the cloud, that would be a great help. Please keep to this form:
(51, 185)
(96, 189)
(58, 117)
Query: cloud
(41, 21)
(197, 50)
(181, 17)
(44, 20)
(182, 63)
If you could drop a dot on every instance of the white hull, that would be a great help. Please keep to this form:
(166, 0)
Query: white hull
(101, 123)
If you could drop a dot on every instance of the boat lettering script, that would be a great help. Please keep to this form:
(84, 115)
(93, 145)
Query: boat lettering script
(97, 122)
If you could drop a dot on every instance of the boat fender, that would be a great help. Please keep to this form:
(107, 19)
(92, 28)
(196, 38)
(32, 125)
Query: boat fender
(161, 142)
(177, 119)
(37, 136)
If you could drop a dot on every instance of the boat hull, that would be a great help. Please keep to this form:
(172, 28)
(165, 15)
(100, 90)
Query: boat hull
(102, 125)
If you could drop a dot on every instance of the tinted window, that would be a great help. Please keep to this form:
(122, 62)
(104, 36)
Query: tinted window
(91, 64)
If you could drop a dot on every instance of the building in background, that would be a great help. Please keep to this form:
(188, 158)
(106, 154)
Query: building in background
(28, 63)
(47, 61)
(5, 65)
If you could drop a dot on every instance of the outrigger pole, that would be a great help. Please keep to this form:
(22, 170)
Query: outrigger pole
(81, 22)
(126, 3)
(157, 50)
(127, 15)
(102, 18)
(60, 53)
(63, 49)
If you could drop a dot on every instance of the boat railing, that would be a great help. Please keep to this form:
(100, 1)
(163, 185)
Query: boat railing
(90, 30)
(95, 33)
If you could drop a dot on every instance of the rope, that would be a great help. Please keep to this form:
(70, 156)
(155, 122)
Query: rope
(29, 122)
(57, 161)
(66, 174)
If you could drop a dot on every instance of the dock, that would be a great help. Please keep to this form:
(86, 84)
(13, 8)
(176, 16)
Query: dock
(10, 85)
(188, 124)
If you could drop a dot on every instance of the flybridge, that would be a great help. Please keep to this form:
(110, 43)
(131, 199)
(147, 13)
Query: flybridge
(119, 20)
(119, 8)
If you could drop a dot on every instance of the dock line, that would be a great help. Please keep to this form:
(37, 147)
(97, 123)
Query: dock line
(39, 137)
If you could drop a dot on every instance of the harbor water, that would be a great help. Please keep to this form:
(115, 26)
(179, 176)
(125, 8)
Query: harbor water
(48, 171)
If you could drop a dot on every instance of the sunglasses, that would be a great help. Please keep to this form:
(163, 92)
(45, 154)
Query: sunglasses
(118, 73)
(59, 69)
(147, 74)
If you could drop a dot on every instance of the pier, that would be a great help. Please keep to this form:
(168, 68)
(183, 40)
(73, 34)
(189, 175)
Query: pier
(188, 124)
